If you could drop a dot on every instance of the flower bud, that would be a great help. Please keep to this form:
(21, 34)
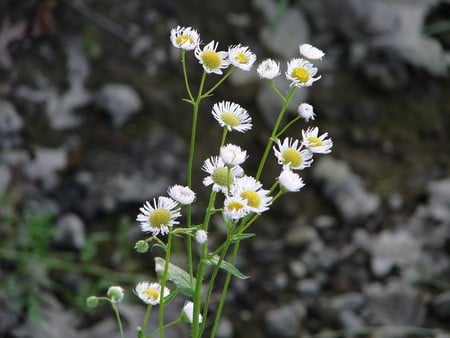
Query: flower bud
(141, 246)
(115, 293)
(92, 301)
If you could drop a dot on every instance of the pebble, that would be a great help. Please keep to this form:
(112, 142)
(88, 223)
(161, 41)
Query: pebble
(10, 120)
(5, 178)
(441, 305)
(285, 322)
(225, 328)
(70, 232)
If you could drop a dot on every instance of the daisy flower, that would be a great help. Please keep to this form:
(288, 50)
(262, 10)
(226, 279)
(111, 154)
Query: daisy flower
(220, 176)
(232, 155)
(212, 61)
(235, 207)
(310, 52)
(184, 37)
(158, 217)
(250, 189)
(306, 111)
(316, 144)
(268, 69)
(201, 236)
(290, 181)
(188, 311)
(150, 293)
(241, 57)
(181, 194)
(301, 72)
(232, 116)
(291, 155)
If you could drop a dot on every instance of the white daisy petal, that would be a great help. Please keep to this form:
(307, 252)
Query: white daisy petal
(212, 61)
(241, 57)
(181, 194)
(235, 208)
(232, 116)
(290, 181)
(306, 111)
(268, 69)
(301, 72)
(184, 37)
(316, 144)
(150, 293)
(158, 217)
(232, 155)
(290, 154)
(310, 52)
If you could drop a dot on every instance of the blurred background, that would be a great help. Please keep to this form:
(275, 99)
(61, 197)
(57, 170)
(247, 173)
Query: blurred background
(92, 124)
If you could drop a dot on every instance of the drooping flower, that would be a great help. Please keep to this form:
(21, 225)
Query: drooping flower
(248, 188)
(291, 155)
(150, 293)
(188, 311)
(241, 57)
(201, 236)
(301, 72)
(220, 176)
(232, 116)
(182, 194)
(268, 69)
(235, 207)
(184, 37)
(212, 61)
(232, 155)
(306, 111)
(159, 216)
(316, 144)
(290, 181)
(310, 52)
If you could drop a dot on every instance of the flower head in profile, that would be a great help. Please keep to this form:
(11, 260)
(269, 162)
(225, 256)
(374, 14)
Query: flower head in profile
(235, 208)
(268, 69)
(220, 176)
(181, 194)
(232, 155)
(290, 154)
(115, 293)
(290, 181)
(315, 143)
(310, 52)
(248, 188)
(188, 312)
(301, 72)
(212, 61)
(241, 57)
(184, 37)
(306, 111)
(150, 293)
(232, 116)
(159, 216)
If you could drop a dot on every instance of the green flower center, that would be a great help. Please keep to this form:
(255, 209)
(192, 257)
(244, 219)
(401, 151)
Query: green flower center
(230, 119)
(211, 59)
(220, 177)
(159, 217)
(315, 141)
(252, 197)
(152, 294)
(235, 205)
(300, 74)
(242, 58)
(293, 157)
(182, 39)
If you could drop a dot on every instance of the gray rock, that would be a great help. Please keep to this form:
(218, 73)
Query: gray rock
(439, 200)
(120, 100)
(441, 305)
(350, 320)
(5, 178)
(70, 232)
(284, 322)
(225, 328)
(351, 301)
(309, 286)
(10, 120)
(46, 164)
(300, 235)
(298, 269)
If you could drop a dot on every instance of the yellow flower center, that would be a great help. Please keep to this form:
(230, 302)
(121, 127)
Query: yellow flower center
(315, 141)
(235, 205)
(252, 197)
(230, 119)
(211, 59)
(220, 177)
(242, 58)
(159, 217)
(293, 157)
(300, 74)
(152, 294)
(182, 39)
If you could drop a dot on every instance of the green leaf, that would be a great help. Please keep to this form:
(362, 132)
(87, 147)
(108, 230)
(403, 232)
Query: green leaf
(240, 237)
(178, 276)
(214, 260)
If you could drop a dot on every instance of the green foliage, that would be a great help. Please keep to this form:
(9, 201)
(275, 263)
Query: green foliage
(179, 277)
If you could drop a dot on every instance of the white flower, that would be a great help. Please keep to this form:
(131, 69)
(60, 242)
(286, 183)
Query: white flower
(188, 311)
(220, 176)
(290, 180)
(150, 293)
(212, 61)
(316, 144)
(232, 116)
(181, 194)
(268, 69)
(115, 293)
(306, 111)
(301, 72)
(241, 57)
(156, 218)
(201, 236)
(290, 154)
(184, 37)
(310, 52)
(235, 207)
(232, 155)
(248, 188)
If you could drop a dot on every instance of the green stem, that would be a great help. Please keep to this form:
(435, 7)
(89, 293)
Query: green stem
(274, 131)
(287, 126)
(186, 81)
(119, 321)
(222, 79)
(163, 285)
(146, 318)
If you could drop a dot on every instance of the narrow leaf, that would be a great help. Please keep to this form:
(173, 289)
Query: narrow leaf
(240, 237)
(214, 260)
(178, 276)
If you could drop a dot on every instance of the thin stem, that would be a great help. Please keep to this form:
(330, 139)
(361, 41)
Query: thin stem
(163, 285)
(287, 126)
(186, 81)
(222, 79)
(119, 321)
(146, 318)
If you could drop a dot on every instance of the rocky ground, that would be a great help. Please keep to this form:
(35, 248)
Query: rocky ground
(92, 124)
